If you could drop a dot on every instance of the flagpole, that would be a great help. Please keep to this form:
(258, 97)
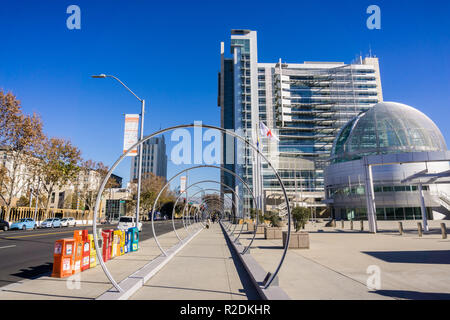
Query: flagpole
(261, 178)
(258, 164)
(257, 183)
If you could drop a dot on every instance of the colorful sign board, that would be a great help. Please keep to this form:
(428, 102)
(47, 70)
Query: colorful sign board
(130, 136)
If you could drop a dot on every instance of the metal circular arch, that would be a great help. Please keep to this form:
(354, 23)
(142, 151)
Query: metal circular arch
(220, 200)
(228, 132)
(176, 201)
(202, 210)
(207, 200)
(208, 190)
(192, 168)
(224, 185)
(223, 213)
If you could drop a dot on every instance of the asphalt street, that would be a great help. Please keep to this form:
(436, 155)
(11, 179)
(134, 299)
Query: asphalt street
(28, 254)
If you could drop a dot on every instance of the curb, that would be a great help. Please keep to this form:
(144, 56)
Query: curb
(136, 280)
(256, 272)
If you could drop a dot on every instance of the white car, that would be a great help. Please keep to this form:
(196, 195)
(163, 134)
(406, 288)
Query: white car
(51, 223)
(126, 222)
(68, 222)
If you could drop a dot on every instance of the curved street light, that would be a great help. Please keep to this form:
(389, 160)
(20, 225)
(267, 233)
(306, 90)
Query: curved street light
(102, 76)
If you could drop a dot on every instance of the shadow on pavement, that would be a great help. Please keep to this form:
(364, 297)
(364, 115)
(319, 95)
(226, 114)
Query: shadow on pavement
(34, 272)
(428, 257)
(270, 247)
(413, 295)
(250, 290)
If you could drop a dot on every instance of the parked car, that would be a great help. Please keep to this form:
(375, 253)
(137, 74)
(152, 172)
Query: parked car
(126, 222)
(51, 223)
(24, 224)
(4, 225)
(68, 222)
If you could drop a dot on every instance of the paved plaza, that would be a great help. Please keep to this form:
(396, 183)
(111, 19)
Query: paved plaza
(335, 267)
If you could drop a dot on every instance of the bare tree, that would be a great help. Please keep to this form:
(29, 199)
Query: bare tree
(59, 165)
(213, 203)
(21, 136)
(89, 179)
(151, 185)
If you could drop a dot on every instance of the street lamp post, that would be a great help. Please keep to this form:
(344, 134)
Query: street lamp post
(141, 137)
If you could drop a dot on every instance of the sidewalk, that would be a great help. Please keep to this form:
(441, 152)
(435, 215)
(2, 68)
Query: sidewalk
(204, 269)
(91, 283)
(335, 266)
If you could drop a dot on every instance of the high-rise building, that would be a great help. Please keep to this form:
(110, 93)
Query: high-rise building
(304, 104)
(154, 159)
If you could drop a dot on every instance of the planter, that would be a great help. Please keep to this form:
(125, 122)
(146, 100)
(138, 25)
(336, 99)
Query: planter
(331, 223)
(259, 229)
(299, 240)
(272, 233)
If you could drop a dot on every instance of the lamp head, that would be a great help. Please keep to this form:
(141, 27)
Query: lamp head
(102, 75)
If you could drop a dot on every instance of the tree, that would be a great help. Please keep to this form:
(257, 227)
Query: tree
(88, 181)
(23, 202)
(58, 165)
(213, 203)
(167, 208)
(300, 216)
(253, 213)
(151, 185)
(21, 135)
(85, 185)
(274, 219)
(4, 180)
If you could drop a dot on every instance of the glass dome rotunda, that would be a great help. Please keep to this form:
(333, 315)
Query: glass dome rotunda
(388, 127)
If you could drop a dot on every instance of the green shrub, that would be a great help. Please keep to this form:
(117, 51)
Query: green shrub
(273, 218)
(300, 215)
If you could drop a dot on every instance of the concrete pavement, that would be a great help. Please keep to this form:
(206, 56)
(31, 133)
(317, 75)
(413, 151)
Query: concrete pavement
(204, 270)
(91, 283)
(335, 266)
(28, 254)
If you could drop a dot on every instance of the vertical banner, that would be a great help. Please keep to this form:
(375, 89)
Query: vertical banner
(130, 136)
(182, 184)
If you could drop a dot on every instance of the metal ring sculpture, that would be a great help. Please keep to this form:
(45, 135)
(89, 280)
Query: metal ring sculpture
(207, 200)
(192, 168)
(220, 200)
(194, 185)
(173, 213)
(206, 190)
(227, 228)
(225, 131)
(224, 185)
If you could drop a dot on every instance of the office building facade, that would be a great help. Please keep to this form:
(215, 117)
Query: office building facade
(154, 159)
(304, 104)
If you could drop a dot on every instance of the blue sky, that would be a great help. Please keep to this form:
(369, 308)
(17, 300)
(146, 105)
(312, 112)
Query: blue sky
(168, 53)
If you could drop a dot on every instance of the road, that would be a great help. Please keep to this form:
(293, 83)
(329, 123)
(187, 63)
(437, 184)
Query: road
(28, 254)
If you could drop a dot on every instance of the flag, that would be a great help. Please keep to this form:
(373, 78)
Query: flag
(266, 132)
(258, 143)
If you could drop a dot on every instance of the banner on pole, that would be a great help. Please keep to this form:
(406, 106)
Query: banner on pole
(183, 184)
(130, 136)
